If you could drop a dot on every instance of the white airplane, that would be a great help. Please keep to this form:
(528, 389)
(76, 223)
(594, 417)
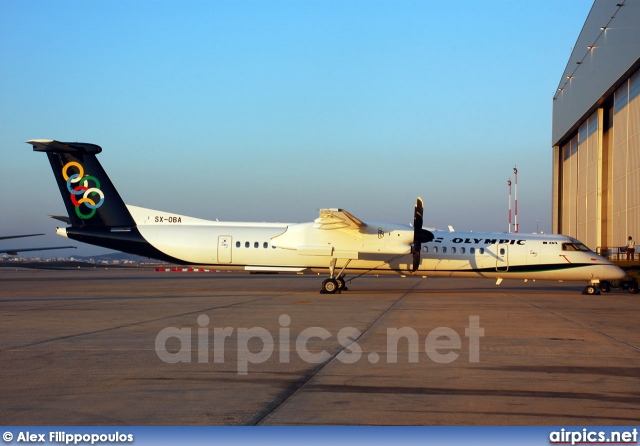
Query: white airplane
(336, 243)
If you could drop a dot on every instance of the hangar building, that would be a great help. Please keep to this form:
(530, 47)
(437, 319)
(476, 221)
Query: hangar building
(596, 130)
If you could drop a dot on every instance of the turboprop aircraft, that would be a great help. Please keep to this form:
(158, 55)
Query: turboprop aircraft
(336, 243)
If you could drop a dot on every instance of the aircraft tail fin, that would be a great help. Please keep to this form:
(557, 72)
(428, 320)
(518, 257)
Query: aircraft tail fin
(88, 194)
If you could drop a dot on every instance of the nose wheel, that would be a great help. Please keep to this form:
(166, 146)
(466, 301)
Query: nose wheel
(591, 290)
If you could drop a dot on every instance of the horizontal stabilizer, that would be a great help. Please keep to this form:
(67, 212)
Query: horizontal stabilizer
(61, 218)
(50, 145)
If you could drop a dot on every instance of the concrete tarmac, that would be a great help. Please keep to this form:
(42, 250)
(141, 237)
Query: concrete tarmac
(96, 347)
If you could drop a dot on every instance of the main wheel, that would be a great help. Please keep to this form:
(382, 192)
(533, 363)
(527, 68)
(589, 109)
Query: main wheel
(605, 287)
(330, 286)
(341, 283)
(633, 287)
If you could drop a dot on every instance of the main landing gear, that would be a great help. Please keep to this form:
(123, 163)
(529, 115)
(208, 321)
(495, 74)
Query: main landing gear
(334, 284)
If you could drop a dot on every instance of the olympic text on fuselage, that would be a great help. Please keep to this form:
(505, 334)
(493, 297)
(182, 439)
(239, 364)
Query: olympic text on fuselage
(488, 241)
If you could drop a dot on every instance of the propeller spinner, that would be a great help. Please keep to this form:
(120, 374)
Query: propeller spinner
(420, 235)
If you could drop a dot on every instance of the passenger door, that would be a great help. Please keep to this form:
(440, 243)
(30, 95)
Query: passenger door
(502, 257)
(224, 248)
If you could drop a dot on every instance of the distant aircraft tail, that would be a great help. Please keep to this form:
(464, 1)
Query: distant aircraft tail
(88, 194)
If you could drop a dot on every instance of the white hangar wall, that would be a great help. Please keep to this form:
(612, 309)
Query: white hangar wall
(596, 130)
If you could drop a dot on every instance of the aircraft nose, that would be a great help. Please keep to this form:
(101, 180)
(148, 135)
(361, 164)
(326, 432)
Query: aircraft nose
(612, 272)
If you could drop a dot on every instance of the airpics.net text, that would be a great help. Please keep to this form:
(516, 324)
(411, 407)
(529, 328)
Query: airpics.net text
(256, 345)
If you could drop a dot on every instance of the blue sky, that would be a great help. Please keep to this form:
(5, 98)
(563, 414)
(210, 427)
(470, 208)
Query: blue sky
(270, 110)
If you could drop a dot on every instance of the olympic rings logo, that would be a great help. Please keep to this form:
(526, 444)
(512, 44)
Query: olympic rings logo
(78, 184)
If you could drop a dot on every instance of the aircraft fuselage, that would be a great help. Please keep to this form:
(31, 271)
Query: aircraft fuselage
(382, 249)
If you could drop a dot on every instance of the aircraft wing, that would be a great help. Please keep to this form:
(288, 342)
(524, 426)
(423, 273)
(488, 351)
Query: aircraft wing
(337, 219)
(14, 252)
(339, 234)
(6, 237)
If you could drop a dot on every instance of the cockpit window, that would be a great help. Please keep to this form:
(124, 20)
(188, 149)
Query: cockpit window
(574, 247)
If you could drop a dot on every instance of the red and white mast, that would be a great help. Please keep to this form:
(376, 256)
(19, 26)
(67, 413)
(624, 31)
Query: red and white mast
(509, 183)
(515, 172)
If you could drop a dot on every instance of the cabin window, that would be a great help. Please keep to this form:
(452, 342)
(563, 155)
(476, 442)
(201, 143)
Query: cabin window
(444, 250)
(435, 249)
(481, 251)
(256, 244)
(453, 250)
(425, 249)
(246, 244)
(462, 250)
(472, 250)
(265, 245)
(502, 251)
(237, 244)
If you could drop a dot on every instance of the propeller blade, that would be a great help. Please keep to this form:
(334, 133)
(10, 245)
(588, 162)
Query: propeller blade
(416, 260)
(420, 235)
(417, 215)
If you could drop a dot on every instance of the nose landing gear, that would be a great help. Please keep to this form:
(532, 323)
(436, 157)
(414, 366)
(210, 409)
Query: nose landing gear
(591, 290)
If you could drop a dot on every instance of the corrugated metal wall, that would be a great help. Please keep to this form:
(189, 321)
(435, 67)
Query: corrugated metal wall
(569, 186)
(556, 189)
(596, 177)
(587, 183)
(625, 191)
(580, 184)
(587, 192)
